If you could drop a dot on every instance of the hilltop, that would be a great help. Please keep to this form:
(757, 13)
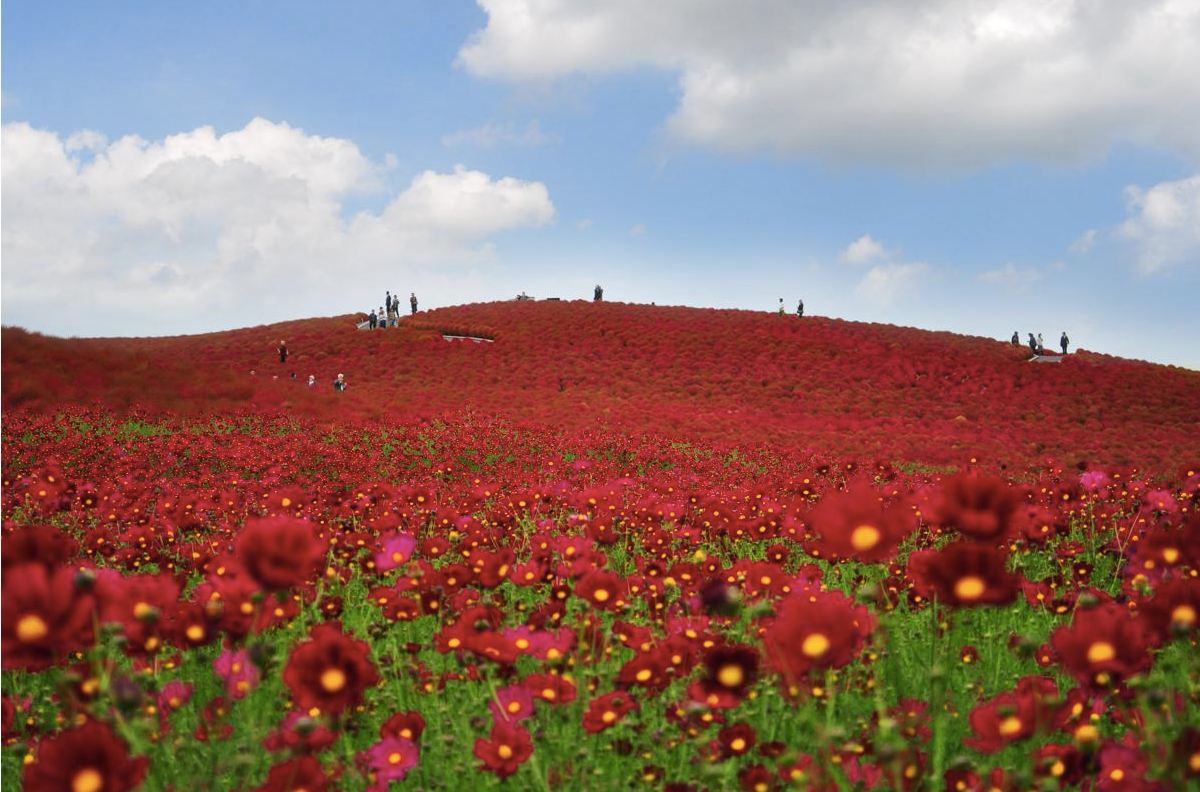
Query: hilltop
(721, 377)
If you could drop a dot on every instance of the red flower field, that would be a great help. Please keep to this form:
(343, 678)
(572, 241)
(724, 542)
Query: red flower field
(618, 546)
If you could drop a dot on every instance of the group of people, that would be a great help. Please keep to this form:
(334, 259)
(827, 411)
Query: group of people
(389, 314)
(339, 384)
(799, 308)
(1035, 342)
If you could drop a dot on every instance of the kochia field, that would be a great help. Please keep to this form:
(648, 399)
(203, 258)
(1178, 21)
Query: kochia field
(604, 547)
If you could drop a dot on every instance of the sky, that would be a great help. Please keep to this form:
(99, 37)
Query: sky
(978, 166)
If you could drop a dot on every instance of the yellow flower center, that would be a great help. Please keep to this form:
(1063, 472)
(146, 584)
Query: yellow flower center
(30, 628)
(600, 595)
(504, 752)
(609, 716)
(731, 675)
(333, 680)
(87, 780)
(864, 537)
(970, 588)
(1010, 726)
(737, 744)
(195, 633)
(815, 645)
(1101, 652)
(514, 707)
(1170, 554)
(1185, 615)
(142, 610)
(395, 757)
(644, 675)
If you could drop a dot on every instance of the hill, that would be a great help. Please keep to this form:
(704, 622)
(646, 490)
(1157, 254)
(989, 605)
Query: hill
(722, 377)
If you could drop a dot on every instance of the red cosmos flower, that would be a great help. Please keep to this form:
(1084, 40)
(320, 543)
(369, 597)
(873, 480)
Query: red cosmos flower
(756, 778)
(1013, 716)
(89, 758)
(303, 773)
(506, 749)
(730, 671)
(330, 671)
(1173, 608)
(854, 524)
(963, 575)
(603, 590)
(607, 711)
(824, 630)
(1103, 645)
(981, 507)
(512, 702)
(45, 614)
(138, 603)
(405, 725)
(280, 552)
(397, 549)
(238, 671)
(301, 734)
(37, 544)
(550, 688)
(737, 739)
(389, 760)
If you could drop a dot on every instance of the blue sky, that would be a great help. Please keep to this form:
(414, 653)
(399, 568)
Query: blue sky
(981, 168)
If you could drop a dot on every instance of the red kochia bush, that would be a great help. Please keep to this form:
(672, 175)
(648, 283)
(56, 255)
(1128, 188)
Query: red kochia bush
(280, 552)
(89, 758)
(330, 671)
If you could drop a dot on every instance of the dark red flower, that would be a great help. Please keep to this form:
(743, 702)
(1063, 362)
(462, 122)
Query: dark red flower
(46, 615)
(1013, 716)
(404, 725)
(89, 758)
(303, 773)
(981, 507)
(607, 711)
(603, 590)
(964, 574)
(822, 630)
(1103, 645)
(329, 672)
(280, 552)
(1173, 609)
(506, 749)
(855, 524)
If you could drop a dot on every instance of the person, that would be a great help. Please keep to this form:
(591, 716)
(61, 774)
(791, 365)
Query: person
(1033, 346)
(387, 303)
(800, 309)
(373, 319)
(1041, 346)
(312, 380)
(1016, 339)
(412, 302)
(598, 294)
(339, 384)
(781, 311)
(1064, 342)
(282, 351)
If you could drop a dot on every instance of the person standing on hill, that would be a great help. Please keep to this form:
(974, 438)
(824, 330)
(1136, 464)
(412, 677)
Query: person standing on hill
(1033, 345)
(781, 311)
(339, 384)
(1064, 342)
(1041, 346)
(412, 302)
(373, 319)
(1016, 339)
(800, 309)
(282, 351)
(597, 294)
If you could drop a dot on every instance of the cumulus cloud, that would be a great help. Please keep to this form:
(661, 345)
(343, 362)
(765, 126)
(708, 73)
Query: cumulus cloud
(883, 284)
(1012, 277)
(1164, 225)
(1084, 242)
(941, 82)
(163, 236)
(863, 251)
(494, 134)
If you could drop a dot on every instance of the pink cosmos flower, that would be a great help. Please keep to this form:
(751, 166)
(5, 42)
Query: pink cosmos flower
(389, 760)
(238, 672)
(397, 549)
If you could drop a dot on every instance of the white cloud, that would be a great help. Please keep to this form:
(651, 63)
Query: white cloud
(1012, 277)
(159, 236)
(885, 283)
(958, 83)
(1084, 243)
(863, 251)
(492, 134)
(1164, 226)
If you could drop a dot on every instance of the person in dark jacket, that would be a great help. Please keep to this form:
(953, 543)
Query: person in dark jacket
(1016, 339)
(1064, 342)
(1033, 347)
(282, 351)
(339, 384)
(800, 308)
(373, 319)
(597, 294)
(412, 302)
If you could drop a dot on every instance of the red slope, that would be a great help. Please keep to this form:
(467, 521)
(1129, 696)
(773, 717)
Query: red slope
(727, 376)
